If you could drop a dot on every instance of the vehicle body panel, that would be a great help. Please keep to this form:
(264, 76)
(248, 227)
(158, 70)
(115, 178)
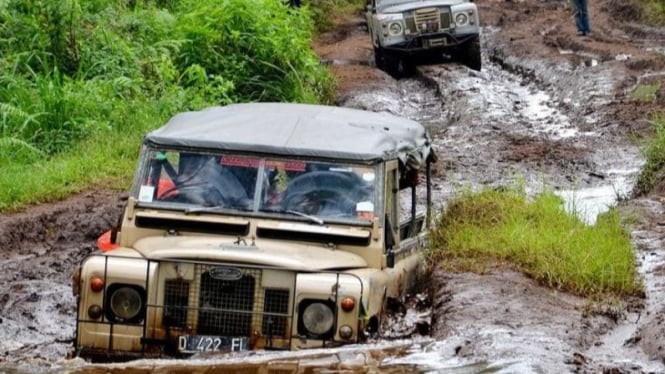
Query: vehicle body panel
(229, 243)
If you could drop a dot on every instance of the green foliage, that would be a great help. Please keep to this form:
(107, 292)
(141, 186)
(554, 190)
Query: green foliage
(323, 9)
(243, 41)
(645, 92)
(539, 237)
(655, 11)
(76, 73)
(653, 171)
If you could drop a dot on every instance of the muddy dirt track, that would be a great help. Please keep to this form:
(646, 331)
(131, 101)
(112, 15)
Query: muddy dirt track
(548, 107)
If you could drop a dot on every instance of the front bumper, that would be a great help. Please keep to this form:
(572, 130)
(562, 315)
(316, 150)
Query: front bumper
(256, 305)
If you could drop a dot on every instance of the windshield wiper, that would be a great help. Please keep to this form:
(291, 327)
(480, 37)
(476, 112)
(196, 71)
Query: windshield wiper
(203, 209)
(310, 217)
(216, 208)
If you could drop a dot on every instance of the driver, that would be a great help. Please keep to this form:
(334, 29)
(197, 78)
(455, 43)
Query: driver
(202, 180)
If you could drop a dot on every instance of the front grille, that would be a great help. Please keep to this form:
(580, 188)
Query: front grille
(275, 310)
(226, 306)
(428, 20)
(176, 295)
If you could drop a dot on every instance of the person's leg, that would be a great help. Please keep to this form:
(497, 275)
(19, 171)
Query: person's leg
(584, 16)
(577, 13)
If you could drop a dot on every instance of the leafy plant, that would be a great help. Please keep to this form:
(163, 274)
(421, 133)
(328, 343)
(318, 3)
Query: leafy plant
(82, 80)
(653, 171)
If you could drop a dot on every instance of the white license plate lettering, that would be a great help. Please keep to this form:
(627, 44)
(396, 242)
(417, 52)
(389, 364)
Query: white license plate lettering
(203, 343)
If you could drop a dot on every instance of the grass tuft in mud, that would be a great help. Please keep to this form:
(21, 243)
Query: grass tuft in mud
(539, 237)
(653, 171)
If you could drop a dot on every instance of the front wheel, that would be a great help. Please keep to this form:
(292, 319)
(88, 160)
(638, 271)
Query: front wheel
(379, 58)
(468, 54)
(398, 65)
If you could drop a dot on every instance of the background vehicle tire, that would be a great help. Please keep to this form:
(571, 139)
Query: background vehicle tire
(469, 54)
(379, 58)
(398, 65)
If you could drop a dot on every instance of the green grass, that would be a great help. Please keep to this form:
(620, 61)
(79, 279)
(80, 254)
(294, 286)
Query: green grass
(538, 237)
(81, 81)
(653, 171)
(324, 12)
(645, 92)
(654, 12)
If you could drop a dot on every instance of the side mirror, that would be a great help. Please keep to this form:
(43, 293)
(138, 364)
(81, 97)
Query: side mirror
(390, 259)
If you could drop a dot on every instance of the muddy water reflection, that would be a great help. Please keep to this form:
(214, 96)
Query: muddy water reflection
(412, 356)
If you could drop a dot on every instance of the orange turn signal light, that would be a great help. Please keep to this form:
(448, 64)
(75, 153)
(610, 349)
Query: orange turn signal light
(96, 284)
(348, 304)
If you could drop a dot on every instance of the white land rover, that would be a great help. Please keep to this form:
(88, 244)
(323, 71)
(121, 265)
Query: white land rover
(259, 226)
(406, 32)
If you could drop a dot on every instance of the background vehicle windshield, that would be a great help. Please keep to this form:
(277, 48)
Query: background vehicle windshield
(269, 185)
(385, 3)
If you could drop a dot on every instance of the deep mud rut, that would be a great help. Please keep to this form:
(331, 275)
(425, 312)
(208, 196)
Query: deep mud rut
(549, 109)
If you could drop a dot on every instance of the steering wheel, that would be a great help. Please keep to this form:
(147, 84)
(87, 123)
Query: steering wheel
(329, 202)
(320, 192)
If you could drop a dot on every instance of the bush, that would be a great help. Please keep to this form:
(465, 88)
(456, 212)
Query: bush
(85, 79)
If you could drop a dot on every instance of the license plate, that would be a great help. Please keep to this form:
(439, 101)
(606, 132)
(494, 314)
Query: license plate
(208, 343)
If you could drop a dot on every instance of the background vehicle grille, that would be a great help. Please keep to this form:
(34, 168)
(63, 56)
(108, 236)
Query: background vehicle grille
(428, 20)
(226, 307)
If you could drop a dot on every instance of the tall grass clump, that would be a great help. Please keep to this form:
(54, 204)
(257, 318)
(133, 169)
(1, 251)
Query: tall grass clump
(538, 237)
(653, 171)
(82, 80)
(245, 42)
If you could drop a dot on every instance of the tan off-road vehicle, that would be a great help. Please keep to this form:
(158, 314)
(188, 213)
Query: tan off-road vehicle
(259, 226)
(405, 33)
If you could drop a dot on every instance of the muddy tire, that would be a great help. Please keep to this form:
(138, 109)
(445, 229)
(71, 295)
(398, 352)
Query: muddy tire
(398, 65)
(468, 54)
(379, 58)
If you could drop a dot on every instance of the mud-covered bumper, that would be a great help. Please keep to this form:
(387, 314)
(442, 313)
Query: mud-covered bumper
(185, 307)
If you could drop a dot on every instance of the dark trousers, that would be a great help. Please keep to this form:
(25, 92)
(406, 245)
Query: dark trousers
(582, 15)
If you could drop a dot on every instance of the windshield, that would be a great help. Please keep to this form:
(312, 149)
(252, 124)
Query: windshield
(230, 182)
(386, 3)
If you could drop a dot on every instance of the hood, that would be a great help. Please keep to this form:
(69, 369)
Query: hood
(411, 5)
(262, 252)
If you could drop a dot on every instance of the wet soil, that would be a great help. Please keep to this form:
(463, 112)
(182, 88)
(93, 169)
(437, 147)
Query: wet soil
(548, 108)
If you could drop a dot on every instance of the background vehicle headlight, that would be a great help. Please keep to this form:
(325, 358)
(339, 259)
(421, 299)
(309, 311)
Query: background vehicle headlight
(461, 19)
(125, 303)
(395, 28)
(318, 318)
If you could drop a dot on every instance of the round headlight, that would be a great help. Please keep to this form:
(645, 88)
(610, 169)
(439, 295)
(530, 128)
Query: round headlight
(461, 19)
(125, 303)
(395, 28)
(318, 318)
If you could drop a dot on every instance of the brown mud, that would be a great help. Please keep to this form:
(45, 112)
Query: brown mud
(486, 131)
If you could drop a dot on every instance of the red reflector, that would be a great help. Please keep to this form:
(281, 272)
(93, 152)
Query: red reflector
(97, 284)
(348, 304)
